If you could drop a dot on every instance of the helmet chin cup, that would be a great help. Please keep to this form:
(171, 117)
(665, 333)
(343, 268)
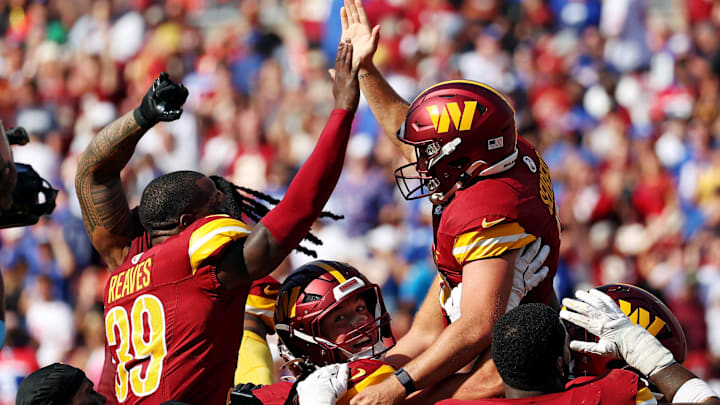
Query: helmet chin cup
(440, 198)
(437, 198)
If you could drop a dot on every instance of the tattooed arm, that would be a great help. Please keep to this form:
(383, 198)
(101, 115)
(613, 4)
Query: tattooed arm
(103, 202)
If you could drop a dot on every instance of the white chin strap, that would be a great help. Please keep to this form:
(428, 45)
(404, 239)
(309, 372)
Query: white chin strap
(502, 165)
(499, 167)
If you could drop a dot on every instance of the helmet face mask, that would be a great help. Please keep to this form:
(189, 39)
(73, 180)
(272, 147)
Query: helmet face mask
(459, 130)
(415, 179)
(309, 296)
(362, 341)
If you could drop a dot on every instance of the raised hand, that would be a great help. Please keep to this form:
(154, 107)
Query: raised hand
(618, 337)
(356, 28)
(346, 88)
(162, 102)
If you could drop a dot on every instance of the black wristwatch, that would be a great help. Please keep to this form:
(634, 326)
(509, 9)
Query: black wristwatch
(406, 381)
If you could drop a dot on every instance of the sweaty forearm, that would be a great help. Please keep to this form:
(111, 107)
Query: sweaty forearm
(388, 107)
(459, 344)
(290, 221)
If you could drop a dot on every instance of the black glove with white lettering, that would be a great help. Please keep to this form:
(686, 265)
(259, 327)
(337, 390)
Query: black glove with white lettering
(162, 102)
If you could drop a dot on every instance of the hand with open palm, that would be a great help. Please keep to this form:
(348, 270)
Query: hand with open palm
(356, 27)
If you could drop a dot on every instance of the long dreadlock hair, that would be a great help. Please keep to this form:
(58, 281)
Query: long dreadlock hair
(251, 203)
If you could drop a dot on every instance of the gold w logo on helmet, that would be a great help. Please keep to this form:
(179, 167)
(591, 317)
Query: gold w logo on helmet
(442, 115)
(642, 317)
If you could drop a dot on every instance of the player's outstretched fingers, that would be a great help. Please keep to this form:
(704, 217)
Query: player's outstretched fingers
(578, 306)
(575, 318)
(348, 55)
(537, 278)
(609, 305)
(343, 20)
(544, 253)
(375, 35)
(350, 11)
(362, 16)
(583, 347)
(531, 250)
(340, 57)
(591, 300)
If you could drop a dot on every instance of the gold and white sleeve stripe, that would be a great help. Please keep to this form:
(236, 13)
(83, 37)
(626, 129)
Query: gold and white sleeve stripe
(260, 306)
(213, 236)
(492, 242)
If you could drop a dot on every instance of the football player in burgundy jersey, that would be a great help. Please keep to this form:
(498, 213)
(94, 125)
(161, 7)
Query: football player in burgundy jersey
(181, 273)
(328, 312)
(491, 194)
(530, 348)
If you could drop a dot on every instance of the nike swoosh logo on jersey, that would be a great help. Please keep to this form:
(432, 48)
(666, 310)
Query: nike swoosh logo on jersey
(360, 373)
(268, 291)
(486, 224)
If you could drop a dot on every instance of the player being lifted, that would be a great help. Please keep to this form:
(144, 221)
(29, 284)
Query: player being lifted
(181, 265)
(492, 195)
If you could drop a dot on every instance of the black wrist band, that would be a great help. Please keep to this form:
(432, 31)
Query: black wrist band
(406, 381)
(141, 120)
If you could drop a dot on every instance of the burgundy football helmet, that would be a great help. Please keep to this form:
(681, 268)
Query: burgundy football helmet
(311, 293)
(642, 308)
(460, 130)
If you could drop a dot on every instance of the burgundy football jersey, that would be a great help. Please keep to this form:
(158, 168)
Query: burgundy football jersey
(497, 214)
(261, 300)
(617, 387)
(170, 327)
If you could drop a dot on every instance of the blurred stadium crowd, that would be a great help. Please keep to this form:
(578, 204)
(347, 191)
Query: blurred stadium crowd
(621, 97)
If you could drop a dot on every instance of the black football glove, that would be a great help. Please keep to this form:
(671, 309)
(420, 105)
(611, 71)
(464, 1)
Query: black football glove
(162, 102)
(242, 394)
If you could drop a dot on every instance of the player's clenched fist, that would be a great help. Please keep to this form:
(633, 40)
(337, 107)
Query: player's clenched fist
(162, 102)
(345, 87)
